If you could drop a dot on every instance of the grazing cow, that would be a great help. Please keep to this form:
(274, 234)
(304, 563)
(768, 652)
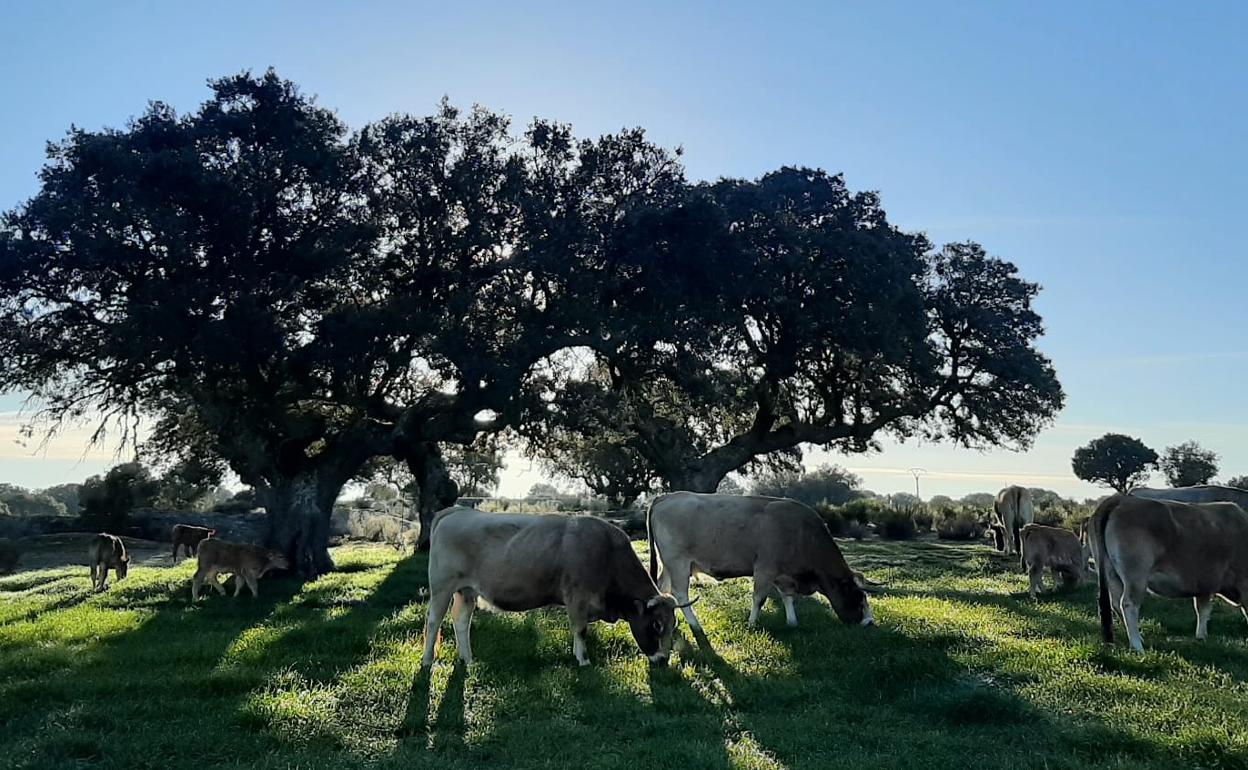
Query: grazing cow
(521, 562)
(1204, 493)
(781, 543)
(1013, 510)
(1176, 550)
(247, 563)
(106, 552)
(10, 553)
(188, 536)
(1055, 549)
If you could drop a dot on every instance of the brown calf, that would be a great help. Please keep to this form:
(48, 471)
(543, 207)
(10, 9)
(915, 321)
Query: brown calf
(189, 537)
(106, 552)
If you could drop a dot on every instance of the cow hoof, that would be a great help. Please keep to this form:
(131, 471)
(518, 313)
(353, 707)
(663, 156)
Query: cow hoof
(582, 663)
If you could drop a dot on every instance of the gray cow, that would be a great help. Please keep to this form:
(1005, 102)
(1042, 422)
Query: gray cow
(781, 543)
(521, 562)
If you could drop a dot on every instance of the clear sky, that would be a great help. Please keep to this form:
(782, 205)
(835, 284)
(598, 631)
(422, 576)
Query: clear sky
(1100, 147)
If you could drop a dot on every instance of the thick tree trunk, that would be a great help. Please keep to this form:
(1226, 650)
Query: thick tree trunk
(299, 509)
(435, 487)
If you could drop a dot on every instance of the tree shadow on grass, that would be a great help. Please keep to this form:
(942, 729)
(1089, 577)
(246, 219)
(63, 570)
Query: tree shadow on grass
(882, 698)
(126, 678)
(525, 702)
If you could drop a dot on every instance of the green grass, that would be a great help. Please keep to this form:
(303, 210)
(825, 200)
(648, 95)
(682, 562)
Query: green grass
(965, 671)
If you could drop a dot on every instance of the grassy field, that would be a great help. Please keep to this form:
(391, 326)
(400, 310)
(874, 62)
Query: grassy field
(965, 671)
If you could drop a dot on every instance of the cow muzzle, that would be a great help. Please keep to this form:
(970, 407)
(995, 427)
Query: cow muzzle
(659, 658)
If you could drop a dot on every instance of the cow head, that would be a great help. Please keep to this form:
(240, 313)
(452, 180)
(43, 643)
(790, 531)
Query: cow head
(123, 566)
(652, 623)
(849, 601)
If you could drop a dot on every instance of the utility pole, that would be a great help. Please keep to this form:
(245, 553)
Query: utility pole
(916, 472)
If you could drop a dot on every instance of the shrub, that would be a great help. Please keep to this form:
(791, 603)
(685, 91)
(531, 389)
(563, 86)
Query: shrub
(1050, 517)
(860, 510)
(893, 523)
(856, 530)
(833, 517)
(959, 524)
(922, 517)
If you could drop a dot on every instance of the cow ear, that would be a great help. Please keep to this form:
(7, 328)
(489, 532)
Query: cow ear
(866, 585)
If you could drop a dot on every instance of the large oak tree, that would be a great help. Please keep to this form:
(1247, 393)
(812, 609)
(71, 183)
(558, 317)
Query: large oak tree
(789, 311)
(304, 299)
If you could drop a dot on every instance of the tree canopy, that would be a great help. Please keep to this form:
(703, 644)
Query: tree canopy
(1114, 460)
(1188, 464)
(800, 315)
(830, 484)
(292, 300)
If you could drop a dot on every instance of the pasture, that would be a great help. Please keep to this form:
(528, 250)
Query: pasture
(964, 671)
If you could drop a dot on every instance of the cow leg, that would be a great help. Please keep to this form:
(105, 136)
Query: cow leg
(790, 611)
(438, 604)
(1132, 597)
(1204, 606)
(175, 552)
(238, 583)
(1035, 574)
(212, 577)
(762, 585)
(252, 583)
(461, 614)
(578, 621)
(94, 580)
(679, 575)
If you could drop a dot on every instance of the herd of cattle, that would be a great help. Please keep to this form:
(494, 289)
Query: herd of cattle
(1179, 543)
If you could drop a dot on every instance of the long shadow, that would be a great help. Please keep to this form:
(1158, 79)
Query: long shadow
(930, 703)
(80, 704)
(180, 679)
(525, 702)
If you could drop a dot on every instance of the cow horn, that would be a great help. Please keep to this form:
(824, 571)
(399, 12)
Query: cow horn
(689, 603)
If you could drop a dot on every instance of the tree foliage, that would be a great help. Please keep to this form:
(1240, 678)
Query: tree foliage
(475, 468)
(828, 484)
(1188, 464)
(788, 311)
(291, 300)
(66, 495)
(1114, 460)
(24, 502)
(107, 501)
(303, 299)
(1239, 482)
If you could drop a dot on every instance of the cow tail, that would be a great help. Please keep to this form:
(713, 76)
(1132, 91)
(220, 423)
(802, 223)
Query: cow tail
(1100, 520)
(654, 555)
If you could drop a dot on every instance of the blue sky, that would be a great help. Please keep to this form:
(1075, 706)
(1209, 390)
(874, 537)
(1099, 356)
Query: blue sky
(1100, 147)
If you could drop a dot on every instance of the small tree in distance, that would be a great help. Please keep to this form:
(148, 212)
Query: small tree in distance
(1239, 482)
(1114, 460)
(1188, 464)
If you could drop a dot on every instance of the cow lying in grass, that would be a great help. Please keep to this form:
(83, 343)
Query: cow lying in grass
(106, 552)
(1055, 549)
(189, 537)
(522, 562)
(247, 563)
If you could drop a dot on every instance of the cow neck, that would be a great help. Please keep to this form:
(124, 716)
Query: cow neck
(629, 584)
